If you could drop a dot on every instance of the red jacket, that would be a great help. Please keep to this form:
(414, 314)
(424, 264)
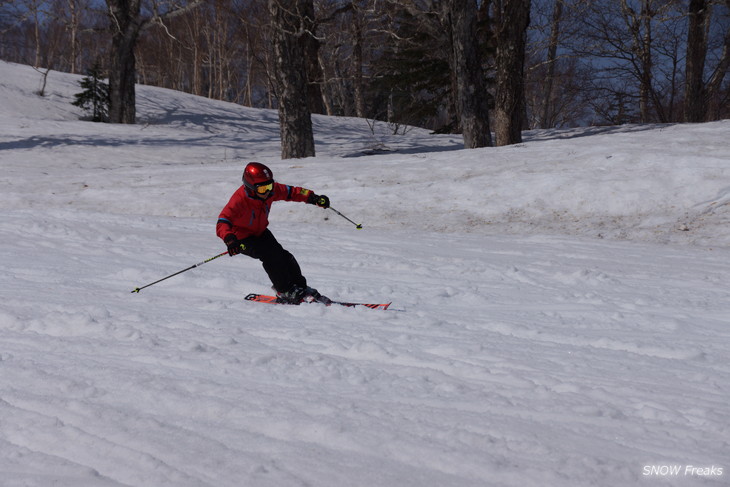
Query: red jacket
(246, 215)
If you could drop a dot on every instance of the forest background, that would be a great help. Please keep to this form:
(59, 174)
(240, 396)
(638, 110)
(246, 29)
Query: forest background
(579, 62)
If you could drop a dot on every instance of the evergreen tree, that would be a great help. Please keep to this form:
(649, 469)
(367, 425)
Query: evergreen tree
(95, 97)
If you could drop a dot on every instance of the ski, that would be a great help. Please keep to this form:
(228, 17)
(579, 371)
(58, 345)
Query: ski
(263, 298)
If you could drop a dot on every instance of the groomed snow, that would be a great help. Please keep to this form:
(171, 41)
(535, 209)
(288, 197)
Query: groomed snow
(561, 312)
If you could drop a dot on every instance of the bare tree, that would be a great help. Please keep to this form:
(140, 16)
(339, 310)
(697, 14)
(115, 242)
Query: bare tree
(358, 62)
(336, 82)
(290, 26)
(315, 74)
(126, 24)
(471, 89)
(640, 28)
(552, 53)
(697, 93)
(511, 18)
(127, 21)
(694, 96)
(352, 35)
(32, 13)
(717, 103)
(73, 25)
(556, 82)
(632, 45)
(257, 40)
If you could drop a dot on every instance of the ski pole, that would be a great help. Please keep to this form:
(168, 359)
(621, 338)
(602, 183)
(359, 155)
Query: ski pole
(136, 290)
(357, 225)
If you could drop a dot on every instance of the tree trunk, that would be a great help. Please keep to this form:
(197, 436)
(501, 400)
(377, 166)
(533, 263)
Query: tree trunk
(315, 74)
(511, 27)
(358, 75)
(73, 27)
(716, 79)
(295, 119)
(641, 41)
(471, 90)
(694, 93)
(546, 121)
(646, 62)
(125, 24)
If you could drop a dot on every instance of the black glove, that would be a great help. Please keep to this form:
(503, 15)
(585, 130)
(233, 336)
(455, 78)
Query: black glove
(234, 245)
(319, 200)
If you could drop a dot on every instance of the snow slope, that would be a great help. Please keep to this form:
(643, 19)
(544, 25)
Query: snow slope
(564, 304)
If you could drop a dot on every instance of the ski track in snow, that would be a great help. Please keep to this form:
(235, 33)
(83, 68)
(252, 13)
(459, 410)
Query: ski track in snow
(503, 368)
(530, 359)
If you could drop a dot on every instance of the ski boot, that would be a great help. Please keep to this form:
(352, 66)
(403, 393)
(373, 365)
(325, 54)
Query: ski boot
(295, 295)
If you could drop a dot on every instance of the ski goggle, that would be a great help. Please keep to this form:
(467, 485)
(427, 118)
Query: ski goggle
(264, 187)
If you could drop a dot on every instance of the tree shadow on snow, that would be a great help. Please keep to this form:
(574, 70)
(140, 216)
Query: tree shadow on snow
(572, 133)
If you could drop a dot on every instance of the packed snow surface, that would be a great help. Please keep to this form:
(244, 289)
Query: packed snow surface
(560, 309)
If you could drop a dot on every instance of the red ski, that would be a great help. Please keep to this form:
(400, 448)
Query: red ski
(263, 298)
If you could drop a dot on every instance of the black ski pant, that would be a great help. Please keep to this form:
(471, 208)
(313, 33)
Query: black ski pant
(281, 266)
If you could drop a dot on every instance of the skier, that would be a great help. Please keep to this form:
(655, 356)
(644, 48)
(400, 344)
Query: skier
(243, 223)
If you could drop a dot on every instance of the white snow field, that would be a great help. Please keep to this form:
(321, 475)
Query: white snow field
(560, 307)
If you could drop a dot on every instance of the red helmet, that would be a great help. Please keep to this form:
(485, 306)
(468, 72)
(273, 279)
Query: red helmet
(256, 174)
